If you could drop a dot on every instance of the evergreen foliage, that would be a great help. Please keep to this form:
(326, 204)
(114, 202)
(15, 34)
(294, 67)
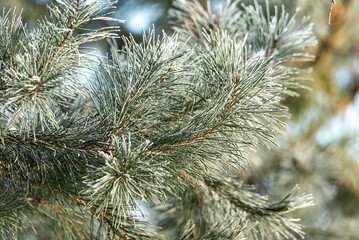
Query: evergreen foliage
(165, 123)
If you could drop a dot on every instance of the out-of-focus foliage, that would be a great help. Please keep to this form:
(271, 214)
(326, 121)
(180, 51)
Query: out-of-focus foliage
(320, 149)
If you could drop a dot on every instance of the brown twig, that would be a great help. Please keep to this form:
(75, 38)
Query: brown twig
(194, 185)
(123, 174)
(235, 94)
(5, 167)
(22, 181)
(110, 148)
(68, 34)
(36, 89)
(273, 47)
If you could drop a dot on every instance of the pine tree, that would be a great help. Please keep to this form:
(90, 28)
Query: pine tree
(166, 123)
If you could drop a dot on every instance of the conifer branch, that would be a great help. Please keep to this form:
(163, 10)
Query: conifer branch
(62, 43)
(67, 36)
(51, 145)
(42, 203)
(180, 114)
(110, 147)
(77, 200)
(206, 134)
(166, 115)
(238, 205)
(104, 218)
(19, 181)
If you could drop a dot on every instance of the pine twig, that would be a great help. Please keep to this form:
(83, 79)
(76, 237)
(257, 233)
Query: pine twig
(330, 10)
(20, 181)
(237, 205)
(42, 203)
(51, 145)
(110, 148)
(209, 132)
(180, 114)
(105, 219)
(194, 185)
(64, 40)
(273, 47)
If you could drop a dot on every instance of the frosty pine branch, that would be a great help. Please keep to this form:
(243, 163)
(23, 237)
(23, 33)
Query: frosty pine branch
(164, 122)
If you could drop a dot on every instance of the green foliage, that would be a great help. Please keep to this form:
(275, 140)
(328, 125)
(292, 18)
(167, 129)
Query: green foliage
(167, 123)
(39, 66)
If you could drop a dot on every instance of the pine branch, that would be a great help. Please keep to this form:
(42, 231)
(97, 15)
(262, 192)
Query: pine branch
(104, 218)
(51, 145)
(206, 134)
(68, 34)
(167, 118)
(45, 47)
(42, 203)
(93, 209)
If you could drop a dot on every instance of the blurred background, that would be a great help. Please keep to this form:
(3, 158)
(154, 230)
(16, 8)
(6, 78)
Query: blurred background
(319, 150)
